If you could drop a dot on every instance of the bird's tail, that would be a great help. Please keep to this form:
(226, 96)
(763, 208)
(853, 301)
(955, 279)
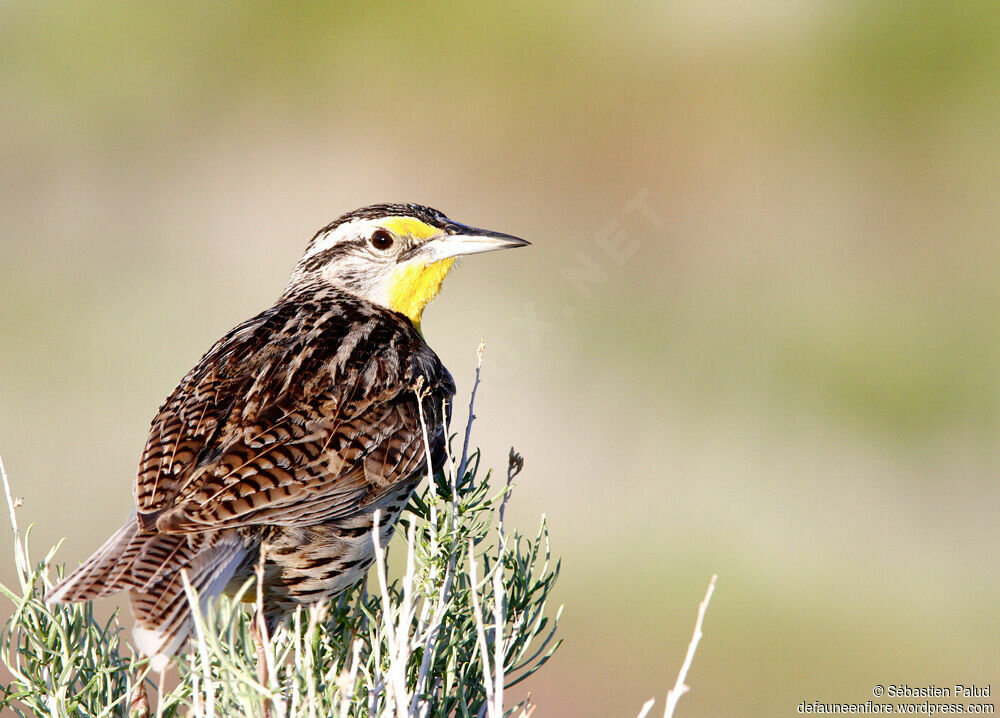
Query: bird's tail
(107, 571)
(149, 565)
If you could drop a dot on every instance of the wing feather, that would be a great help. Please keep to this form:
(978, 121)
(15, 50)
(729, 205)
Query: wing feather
(272, 429)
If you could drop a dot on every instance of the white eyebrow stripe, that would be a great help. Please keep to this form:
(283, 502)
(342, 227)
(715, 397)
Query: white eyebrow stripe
(336, 236)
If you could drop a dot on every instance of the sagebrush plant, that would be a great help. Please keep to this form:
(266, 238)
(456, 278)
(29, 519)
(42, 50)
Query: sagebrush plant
(466, 619)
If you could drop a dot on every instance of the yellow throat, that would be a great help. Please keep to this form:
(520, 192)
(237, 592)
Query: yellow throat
(413, 286)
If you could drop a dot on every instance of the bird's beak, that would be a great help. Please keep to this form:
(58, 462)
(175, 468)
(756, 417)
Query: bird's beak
(460, 240)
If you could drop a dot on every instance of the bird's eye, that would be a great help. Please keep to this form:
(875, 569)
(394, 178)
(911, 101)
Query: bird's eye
(381, 240)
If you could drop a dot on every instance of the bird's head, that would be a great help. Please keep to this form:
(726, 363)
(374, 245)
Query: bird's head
(395, 255)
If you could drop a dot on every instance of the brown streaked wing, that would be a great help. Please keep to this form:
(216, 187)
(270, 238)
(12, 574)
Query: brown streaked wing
(189, 420)
(298, 477)
(303, 413)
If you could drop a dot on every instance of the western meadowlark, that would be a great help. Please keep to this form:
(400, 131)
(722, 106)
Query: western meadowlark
(288, 435)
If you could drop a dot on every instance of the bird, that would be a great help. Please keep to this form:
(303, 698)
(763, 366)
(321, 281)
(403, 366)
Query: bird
(292, 433)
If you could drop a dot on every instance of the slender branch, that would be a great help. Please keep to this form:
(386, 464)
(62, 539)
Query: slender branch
(499, 620)
(680, 686)
(464, 461)
(12, 504)
(481, 632)
(208, 708)
(515, 462)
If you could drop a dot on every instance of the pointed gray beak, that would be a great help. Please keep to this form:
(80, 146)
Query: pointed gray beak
(460, 240)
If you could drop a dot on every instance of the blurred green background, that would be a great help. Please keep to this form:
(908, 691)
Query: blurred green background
(758, 333)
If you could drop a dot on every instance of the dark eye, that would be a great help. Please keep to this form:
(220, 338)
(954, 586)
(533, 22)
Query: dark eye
(381, 240)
